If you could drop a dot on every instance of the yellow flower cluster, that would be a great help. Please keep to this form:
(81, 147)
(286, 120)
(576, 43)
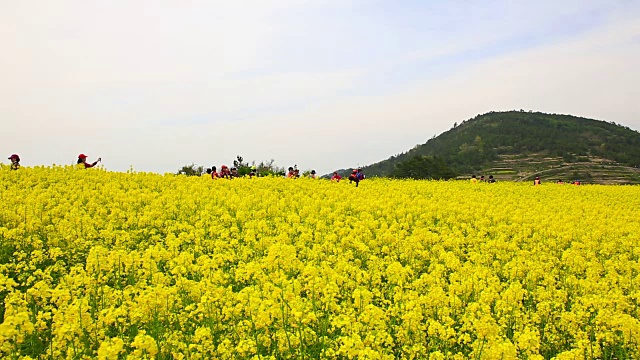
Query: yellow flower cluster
(141, 266)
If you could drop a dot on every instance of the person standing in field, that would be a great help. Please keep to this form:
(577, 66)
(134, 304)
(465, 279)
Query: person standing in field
(15, 161)
(537, 181)
(356, 176)
(234, 173)
(290, 173)
(359, 176)
(352, 177)
(313, 174)
(82, 159)
(214, 173)
(224, 172)
(336, 177)
(491, 179)
(473, 179)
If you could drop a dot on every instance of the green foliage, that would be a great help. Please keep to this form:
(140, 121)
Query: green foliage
(243, 167)
(423, 167)
(569, 158)
(264, 168)
(191, 170)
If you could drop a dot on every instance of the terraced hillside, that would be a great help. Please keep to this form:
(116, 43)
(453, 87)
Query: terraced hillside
(549, 168)
(518, 145)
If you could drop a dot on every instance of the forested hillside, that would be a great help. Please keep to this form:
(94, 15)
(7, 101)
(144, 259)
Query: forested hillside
(515, 144)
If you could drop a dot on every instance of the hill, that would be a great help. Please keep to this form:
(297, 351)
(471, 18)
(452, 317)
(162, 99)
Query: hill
(518, 145)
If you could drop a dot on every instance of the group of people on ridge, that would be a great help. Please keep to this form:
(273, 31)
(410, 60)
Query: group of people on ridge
(82, 159)
(356, 176)
(227, 173)
(560, 182)
(490, 180)
(536, 181)
(292, 173)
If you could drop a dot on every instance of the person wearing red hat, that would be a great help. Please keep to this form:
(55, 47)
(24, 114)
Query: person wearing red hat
(224, 172)
(82, 159)
(352, 177)
(356, 176)
(15, 161)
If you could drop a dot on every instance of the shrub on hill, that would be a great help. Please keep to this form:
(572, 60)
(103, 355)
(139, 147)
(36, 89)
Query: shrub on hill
(423, 167)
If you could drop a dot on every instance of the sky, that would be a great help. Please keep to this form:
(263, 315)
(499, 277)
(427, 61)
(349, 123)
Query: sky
(322, 84)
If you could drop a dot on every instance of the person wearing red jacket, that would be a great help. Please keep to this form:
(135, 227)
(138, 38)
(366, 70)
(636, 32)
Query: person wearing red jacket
(336, 177)
(224, 172)
(356, 176)
(352, 177)
(82, 159)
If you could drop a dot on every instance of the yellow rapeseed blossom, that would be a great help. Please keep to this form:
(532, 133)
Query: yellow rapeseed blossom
(143, 266)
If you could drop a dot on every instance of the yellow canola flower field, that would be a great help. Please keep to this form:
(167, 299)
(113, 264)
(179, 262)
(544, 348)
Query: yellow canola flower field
(97, 264)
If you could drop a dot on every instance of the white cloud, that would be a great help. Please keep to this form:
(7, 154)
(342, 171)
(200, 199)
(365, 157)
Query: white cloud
(594, 76)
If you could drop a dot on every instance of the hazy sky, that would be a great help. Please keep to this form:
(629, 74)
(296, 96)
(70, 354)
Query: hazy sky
(323, 84)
